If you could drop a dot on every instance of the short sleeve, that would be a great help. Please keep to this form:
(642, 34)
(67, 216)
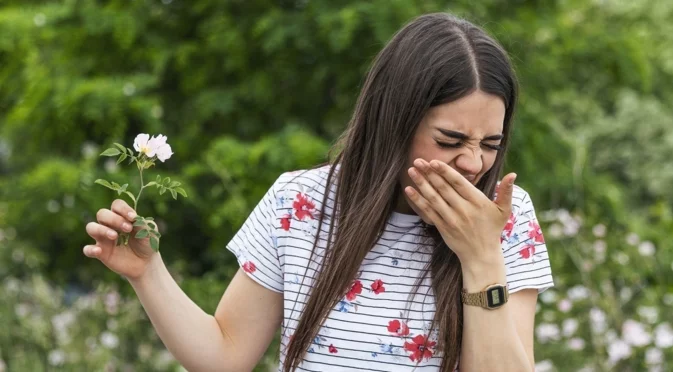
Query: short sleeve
(526, 257)
(255, 244)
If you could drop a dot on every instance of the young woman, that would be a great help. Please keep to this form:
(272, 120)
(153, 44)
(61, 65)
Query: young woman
(398, 255)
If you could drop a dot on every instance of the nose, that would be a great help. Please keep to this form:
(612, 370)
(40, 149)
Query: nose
(469, 162)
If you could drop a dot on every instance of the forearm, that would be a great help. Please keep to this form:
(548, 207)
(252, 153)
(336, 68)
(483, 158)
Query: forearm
(490, 340)
(190, 334)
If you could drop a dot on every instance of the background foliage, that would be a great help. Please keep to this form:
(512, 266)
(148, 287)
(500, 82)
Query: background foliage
(245, 90)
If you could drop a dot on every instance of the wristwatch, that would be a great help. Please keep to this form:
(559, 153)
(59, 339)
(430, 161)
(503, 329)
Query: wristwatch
(492, 297)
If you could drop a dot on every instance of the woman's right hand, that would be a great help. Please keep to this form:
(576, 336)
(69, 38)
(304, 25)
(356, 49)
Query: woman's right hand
(129, 260)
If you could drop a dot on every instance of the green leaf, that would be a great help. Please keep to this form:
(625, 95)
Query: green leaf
(110, 152)
(152, 225)
(162, 190)
(121, 158)
(174, 184)
(152, 183)
(104, 183)
(154, 243)
(142, 234)
(181, 191)
(116, 185)
(158, 180)
(130, 151)
(175, 195)
(166, 181)
(139, 223)
(124, 186)
(121, 148)
(149, 218)
(131, 196)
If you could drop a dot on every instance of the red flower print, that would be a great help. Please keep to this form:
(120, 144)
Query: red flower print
(332, 349)
(249, 267)
(419, 348)
(510, 225)
(399, 328)
(377, 286)
(303, 207)
(285, 222)
(527, 251)
(535, 233)
(356, 289)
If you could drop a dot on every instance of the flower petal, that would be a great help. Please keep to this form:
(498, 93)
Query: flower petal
(140, 141)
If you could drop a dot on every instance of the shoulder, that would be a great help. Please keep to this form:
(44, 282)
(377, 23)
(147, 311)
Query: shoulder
(305, 181)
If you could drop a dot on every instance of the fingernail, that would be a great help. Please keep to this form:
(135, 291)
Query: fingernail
(513, 179)
(434, 164)
(132, 215)
(111, 234)
(126, 226)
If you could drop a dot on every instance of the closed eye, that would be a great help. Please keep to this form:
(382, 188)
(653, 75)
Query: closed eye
(460, 144)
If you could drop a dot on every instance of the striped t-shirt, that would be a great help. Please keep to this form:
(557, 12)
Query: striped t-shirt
(374, 327)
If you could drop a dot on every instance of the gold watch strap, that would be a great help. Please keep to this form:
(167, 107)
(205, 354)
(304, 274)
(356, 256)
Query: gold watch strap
(481, 298)
(474, 299)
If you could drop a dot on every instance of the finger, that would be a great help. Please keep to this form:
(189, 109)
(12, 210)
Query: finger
(113, 220)
(102, 234)
(423, 206)
(462, 186)
(92, 251)
(120, 207)
(429, 194)
(446, 191)
(505, 191)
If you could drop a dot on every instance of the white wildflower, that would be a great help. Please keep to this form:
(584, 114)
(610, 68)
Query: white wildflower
(565, 305)
(622, 258)
(654, 356)
(578, 292)
(22, 310)
(548, 296)
(646, 249)
(109, 340)
(649, 313)
(151, 147)
(632, 239)
(599, 230)
(634, 333)
(668, 298)
(129, 89)
(547, 332)
(597, 317)
(663, 336)
(544, 366)
(618, 350)
(56, 357)
(570, 326)
(576, 344)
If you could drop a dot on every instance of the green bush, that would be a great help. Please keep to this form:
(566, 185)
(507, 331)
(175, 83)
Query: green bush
(246, 90)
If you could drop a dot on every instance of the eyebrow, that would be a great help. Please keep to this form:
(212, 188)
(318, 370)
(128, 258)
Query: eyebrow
(463, 136)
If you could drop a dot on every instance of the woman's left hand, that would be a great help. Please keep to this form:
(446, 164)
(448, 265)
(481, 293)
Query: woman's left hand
(470, 223)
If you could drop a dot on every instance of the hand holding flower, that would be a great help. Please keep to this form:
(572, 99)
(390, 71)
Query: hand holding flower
(148, 151)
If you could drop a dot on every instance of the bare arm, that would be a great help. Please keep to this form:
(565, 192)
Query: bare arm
(500, 339)
(203, 342)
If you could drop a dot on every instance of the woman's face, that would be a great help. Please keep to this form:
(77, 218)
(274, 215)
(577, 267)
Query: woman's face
(465, 134)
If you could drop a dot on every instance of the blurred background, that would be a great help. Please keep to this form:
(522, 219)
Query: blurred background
(248, 89)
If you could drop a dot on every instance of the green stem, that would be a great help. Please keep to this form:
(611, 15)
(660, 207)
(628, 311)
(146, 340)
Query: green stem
(142, 186)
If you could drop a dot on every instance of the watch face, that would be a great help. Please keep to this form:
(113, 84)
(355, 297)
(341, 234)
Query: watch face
(495, 296)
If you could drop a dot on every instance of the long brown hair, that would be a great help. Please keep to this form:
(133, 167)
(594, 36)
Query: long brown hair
(435, 59)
